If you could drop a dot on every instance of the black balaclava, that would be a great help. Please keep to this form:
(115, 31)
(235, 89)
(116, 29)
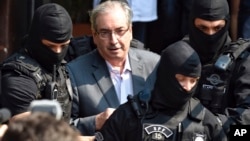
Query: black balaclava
(208, 46)
(52, 22)
(168, 94)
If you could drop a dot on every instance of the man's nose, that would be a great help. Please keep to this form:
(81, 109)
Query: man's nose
(211, 32)
(187, 86)
(114, 38)
(57, 49)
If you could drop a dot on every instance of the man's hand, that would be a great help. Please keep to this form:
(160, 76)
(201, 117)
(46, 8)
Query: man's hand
(86, 138)
(102, 117)
(3, 129)
(22, 115)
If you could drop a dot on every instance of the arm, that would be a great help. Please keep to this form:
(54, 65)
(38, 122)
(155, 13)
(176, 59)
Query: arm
(88, 112)
(235, 7)
(123, 125)
(213, 127)
(17, 91)
(22, 115)
(239, 109)
(85, 126)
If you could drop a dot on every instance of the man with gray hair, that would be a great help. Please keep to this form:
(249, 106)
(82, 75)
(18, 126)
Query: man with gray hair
(103, 78)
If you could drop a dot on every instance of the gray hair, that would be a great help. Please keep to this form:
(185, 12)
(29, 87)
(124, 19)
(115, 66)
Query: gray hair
(107, 6)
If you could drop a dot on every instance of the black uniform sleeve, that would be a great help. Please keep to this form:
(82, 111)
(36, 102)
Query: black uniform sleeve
(122, 125)
(238, 110)
(213, 127)
(17, 91)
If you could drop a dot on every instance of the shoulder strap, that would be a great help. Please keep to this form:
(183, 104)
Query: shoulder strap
(64, 74)
(196, 110)
(238, 47)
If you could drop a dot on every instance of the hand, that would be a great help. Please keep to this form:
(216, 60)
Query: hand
(3, 129)
(102, 117)
(86, 138)
(22, 115)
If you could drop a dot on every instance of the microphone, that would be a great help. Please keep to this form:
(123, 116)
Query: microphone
(4, 115)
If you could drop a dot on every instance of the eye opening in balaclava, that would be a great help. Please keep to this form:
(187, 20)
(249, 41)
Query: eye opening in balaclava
(208, 46)
(178, 58)
(51, 22)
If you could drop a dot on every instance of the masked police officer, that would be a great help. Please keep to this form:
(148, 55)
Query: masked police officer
(37, 70)
(224, 87)
(171, 114)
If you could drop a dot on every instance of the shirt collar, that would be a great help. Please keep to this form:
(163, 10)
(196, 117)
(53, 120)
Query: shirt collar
(127, 66)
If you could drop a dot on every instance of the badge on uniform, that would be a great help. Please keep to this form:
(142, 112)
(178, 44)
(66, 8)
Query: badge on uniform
(155, 132)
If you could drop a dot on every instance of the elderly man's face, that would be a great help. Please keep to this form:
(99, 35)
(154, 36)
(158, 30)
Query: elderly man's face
(113, 35)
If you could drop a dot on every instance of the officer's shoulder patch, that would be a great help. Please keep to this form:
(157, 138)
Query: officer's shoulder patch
(156, 130)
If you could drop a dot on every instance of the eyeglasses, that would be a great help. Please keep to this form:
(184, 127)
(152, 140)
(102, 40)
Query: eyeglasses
(105, 34)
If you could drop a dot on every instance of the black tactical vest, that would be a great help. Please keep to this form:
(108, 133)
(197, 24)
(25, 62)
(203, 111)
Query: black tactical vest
(215, 88)
(183, 126)
(22, 63)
